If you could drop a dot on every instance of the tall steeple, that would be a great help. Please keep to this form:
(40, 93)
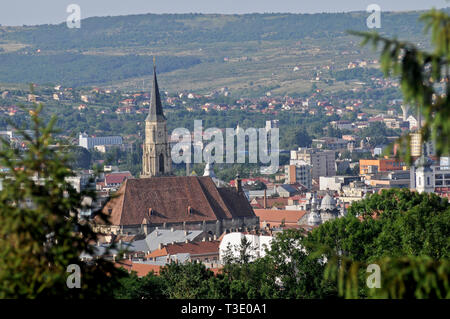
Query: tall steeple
(156, 159)
(155, 112)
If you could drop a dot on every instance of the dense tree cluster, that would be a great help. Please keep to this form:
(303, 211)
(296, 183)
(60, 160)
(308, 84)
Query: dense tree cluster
(41, 236)
(73, 69)
(357, 74)
(403, 232)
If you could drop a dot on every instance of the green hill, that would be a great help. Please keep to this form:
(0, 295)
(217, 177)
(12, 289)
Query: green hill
(250, 53)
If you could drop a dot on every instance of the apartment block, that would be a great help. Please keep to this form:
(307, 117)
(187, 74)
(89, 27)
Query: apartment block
(322, 162)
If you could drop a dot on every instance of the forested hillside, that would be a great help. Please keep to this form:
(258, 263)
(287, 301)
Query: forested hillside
(199, 51)
(79, 70)
(143, 30)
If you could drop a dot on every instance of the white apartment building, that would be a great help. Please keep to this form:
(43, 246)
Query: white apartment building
(258, 245)
(89, 142)
(322, 162)
(335, 183)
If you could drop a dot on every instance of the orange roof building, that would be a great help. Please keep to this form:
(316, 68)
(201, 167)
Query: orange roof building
(203, 251)
(277, 217)
(368, 166)
(140, 268)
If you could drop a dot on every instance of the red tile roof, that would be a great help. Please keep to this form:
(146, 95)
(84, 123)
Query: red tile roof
(143, 269)
(126, 264)
(140, 269)
(193, 248)
(117, 178)
(216, 271)
(159, 200)
(275, 217)
(271, 202)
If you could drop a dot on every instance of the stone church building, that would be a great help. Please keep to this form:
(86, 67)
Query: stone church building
(158, 199)
(156, 160)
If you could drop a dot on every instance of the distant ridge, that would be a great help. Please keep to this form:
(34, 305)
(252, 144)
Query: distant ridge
(117, 51)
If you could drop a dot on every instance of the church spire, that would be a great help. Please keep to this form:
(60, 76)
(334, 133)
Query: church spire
(155, 112)
(156, 160)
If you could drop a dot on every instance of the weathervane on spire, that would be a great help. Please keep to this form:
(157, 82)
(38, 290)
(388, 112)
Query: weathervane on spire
(154, 63)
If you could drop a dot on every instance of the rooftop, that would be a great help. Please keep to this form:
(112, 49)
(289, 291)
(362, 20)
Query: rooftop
(196, 248)
(176, 199)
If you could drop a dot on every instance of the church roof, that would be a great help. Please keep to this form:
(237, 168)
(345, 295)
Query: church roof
(176, 199)
(155, 112)
(423, 161)
(328, 203)
(314, 218)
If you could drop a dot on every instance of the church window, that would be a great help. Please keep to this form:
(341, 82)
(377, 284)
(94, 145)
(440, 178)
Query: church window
(161, 163)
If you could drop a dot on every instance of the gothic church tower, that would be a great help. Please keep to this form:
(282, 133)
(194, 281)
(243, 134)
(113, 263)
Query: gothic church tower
(156, 159)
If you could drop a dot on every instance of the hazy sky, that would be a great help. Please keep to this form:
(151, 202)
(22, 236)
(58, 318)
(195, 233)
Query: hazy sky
(29, 12)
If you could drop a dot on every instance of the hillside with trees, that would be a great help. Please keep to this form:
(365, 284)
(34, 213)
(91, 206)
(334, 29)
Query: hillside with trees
(118, 50)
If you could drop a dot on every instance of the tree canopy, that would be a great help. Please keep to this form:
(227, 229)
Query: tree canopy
(41, 234)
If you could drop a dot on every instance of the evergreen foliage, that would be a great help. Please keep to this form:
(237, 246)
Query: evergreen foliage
(40, 231)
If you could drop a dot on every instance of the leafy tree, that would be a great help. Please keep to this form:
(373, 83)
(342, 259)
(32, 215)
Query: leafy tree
(333, 132)
(40, 232)
(377, 133)
(396, 222)
(344, 236)
(299, 273)
(80, 158)
(150, 286)
(404, 232)
(186, 281)
(411, 223)
(294, 138)
(247, 279)
(361, 74)
(253, 280)
(404, 277)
